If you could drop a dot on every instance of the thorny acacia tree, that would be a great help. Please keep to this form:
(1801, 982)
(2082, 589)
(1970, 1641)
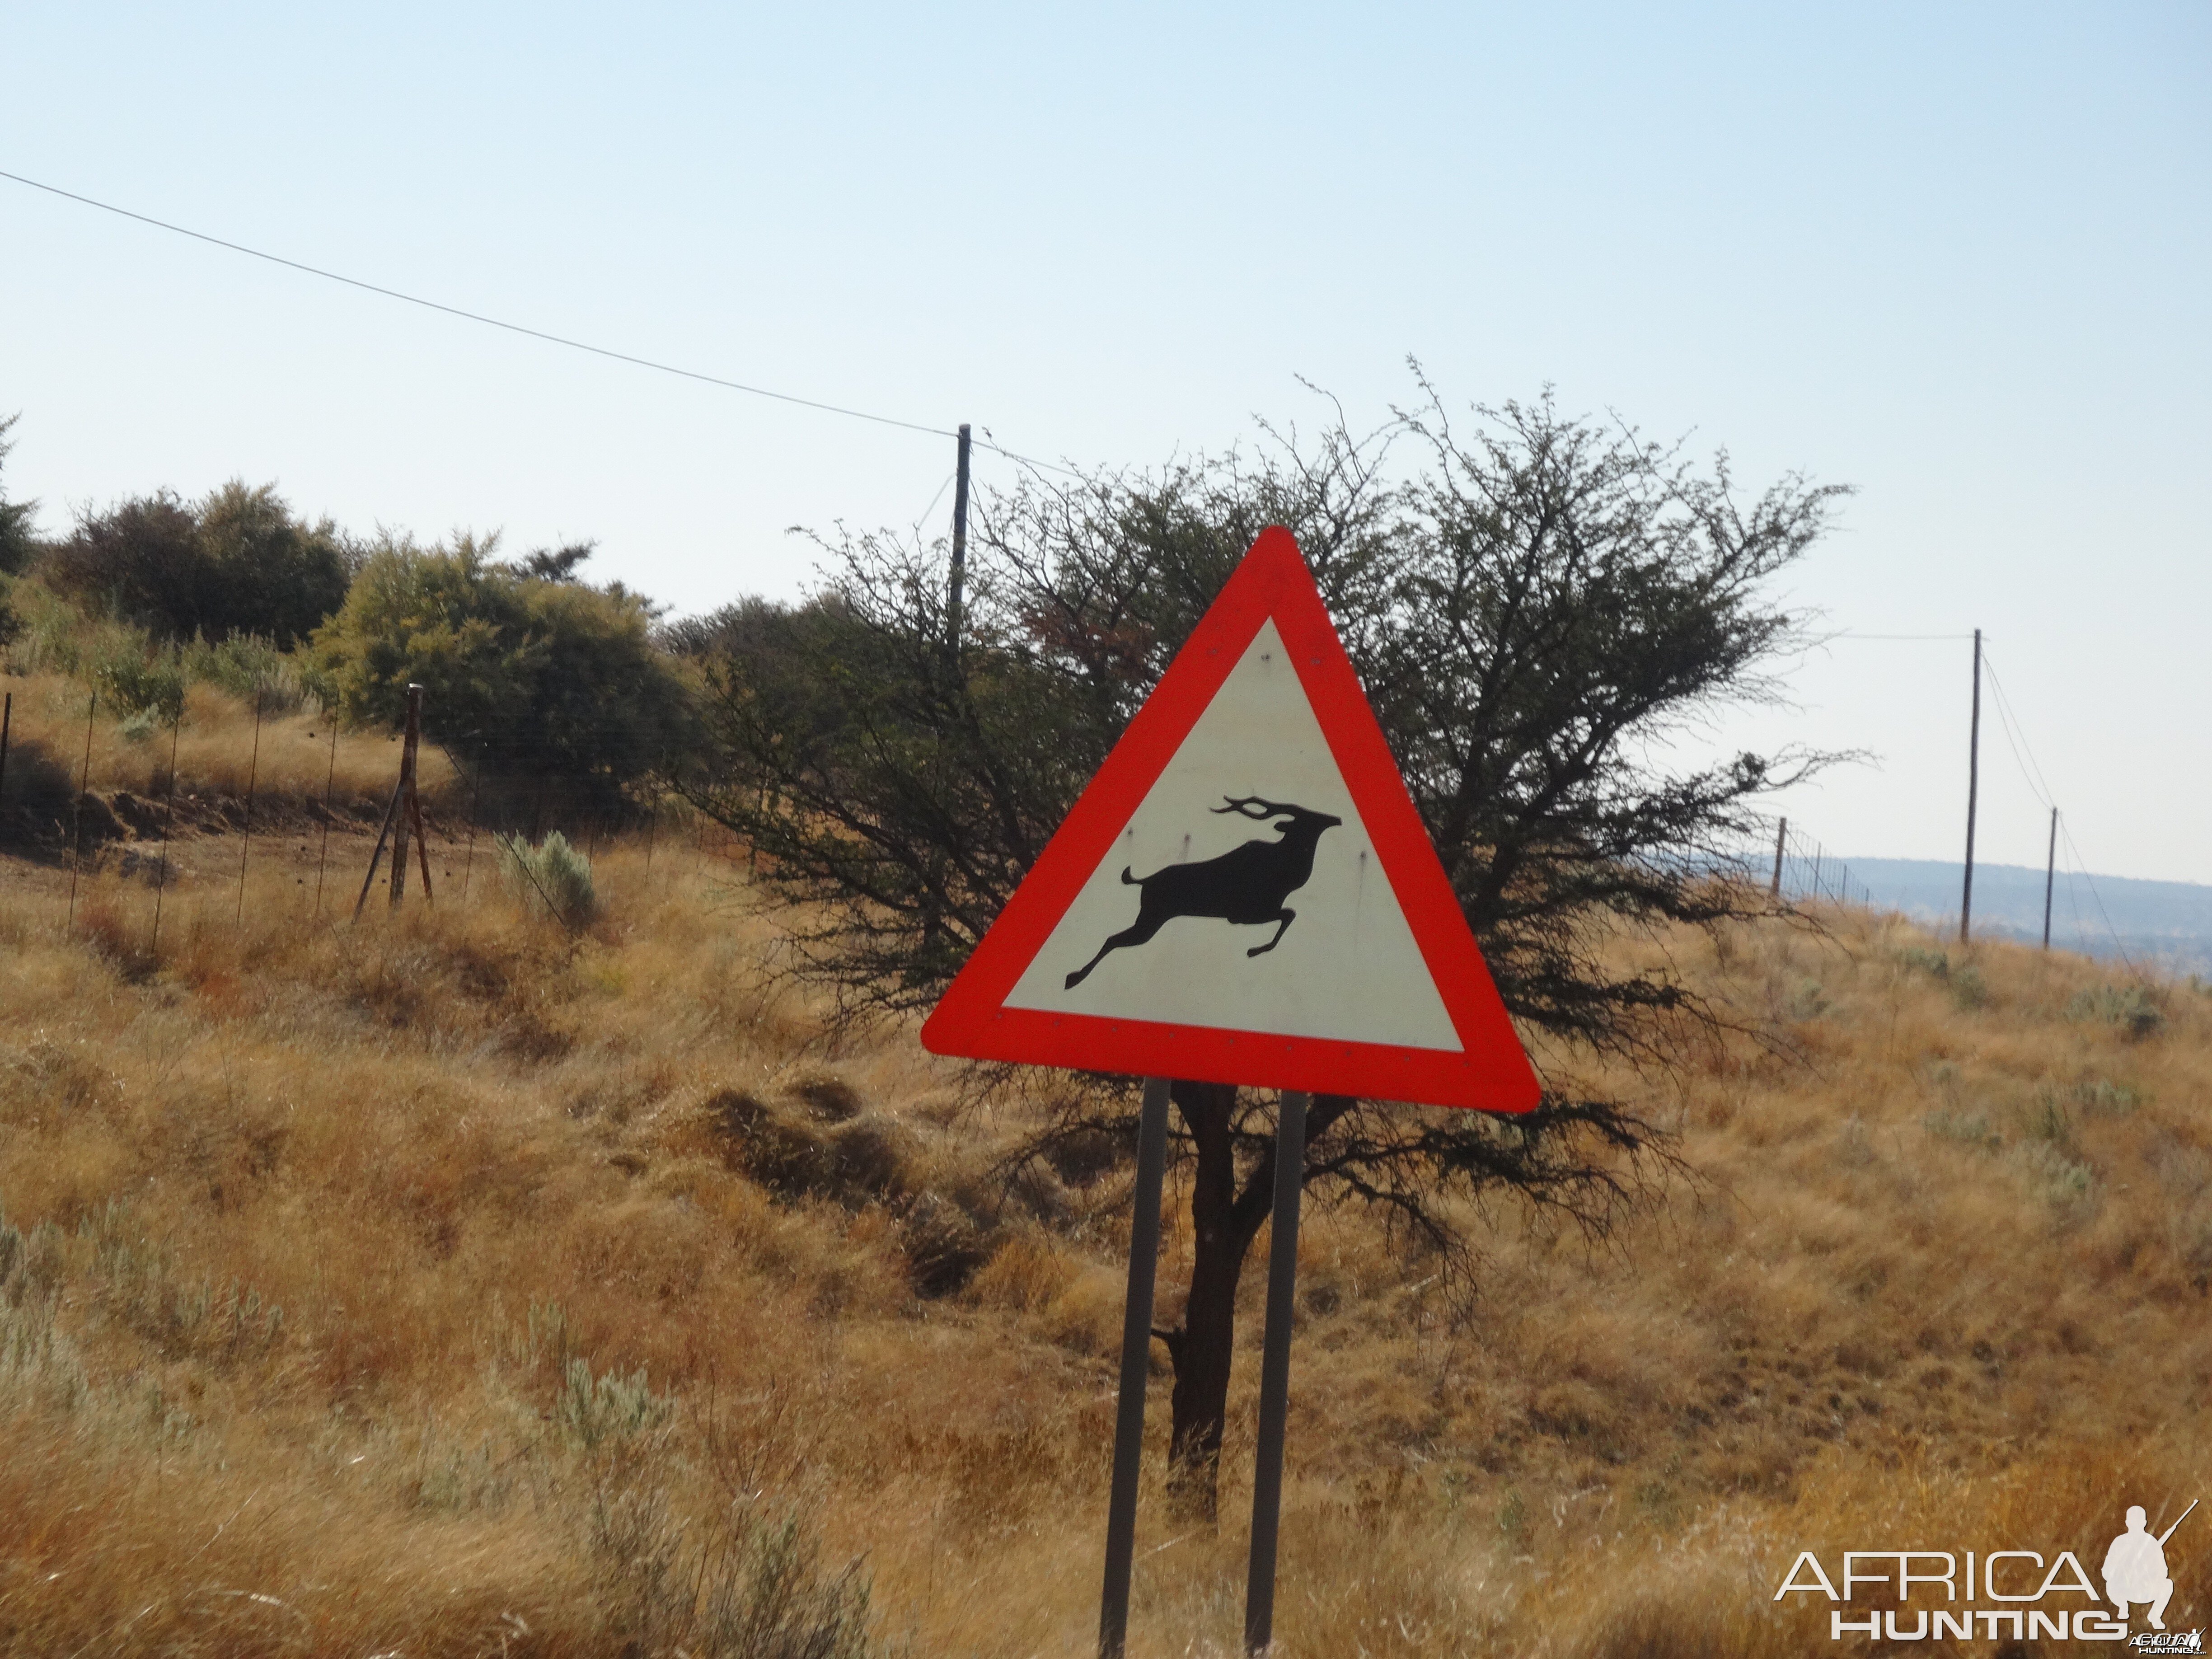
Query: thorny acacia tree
(1546, 599)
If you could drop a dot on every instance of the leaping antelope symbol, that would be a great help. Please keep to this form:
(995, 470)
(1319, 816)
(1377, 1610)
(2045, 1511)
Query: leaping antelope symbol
(1245, 886)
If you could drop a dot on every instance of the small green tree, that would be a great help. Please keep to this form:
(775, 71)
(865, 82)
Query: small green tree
(236, 563)
(554, 679)
(279, 576)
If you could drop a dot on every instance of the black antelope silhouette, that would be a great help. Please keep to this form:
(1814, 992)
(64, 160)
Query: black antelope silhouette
(1245, 886)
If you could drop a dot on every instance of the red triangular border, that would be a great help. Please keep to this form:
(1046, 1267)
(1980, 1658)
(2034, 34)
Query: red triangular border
(1492, 1074)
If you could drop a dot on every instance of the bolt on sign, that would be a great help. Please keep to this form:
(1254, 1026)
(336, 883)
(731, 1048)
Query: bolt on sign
(1245, 894)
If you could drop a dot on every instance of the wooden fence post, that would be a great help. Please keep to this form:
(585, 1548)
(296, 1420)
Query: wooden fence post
(409, 815)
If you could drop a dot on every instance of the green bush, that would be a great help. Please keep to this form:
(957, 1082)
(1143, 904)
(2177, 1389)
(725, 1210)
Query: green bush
(2098, 1098)
(2059, 1181)
(1935, 964)
(1956, 1123)
(250, 666)
(142, 727)
(51, 635)
(237, 561)
(592, 1410)
(554, 679)
(139, 682)
(552, 875)
(2130, 1007)
(1968, 989)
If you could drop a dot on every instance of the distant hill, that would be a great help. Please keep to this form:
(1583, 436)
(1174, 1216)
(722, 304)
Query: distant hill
(2168, 923)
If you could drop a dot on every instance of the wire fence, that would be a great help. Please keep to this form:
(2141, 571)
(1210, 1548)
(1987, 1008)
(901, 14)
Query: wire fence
(1800, 870)
(219, 834)
(518, 785)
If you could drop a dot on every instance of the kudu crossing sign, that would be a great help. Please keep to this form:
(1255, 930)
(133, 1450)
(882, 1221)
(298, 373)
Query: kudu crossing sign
(1245, 894)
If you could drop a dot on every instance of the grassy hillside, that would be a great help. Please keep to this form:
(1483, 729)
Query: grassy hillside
(451, 1284)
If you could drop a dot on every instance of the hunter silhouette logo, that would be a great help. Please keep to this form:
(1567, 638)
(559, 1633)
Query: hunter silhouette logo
(1245, 886)
(2134, 1566)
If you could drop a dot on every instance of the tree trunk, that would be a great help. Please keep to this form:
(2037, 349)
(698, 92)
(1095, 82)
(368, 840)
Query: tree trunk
(1223, 1222)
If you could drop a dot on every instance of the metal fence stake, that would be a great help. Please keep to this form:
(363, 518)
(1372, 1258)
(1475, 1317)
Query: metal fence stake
(253, 776)
(76, 821)
(168, 824)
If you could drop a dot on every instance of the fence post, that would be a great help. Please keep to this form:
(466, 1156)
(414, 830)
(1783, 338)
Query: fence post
(1781, 836)
(7, 720)
(329, 783)
(168, 822)
(404, 801)
(253, 776)
(383, 835)
(476, 790)
(76, 817)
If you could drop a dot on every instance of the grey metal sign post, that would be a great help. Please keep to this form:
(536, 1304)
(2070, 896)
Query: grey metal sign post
(1136, 1364)
(1275, 1372)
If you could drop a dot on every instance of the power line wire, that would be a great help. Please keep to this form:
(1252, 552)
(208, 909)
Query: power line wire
(519, 328)
(933, 501)
(2066, 834)
(2010, 722)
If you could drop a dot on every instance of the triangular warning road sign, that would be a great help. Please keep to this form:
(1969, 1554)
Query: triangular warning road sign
(1245, 893)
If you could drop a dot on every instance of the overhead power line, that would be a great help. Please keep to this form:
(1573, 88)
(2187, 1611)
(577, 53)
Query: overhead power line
(519, 328)
(2031, 770)
(1899, 636)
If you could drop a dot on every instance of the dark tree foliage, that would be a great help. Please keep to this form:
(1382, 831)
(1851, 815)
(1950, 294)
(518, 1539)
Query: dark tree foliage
(18, 544)
(1540, 603)
(557, 564)
(1570, 596)
(549, 681)
(237, 563)
(899, 786)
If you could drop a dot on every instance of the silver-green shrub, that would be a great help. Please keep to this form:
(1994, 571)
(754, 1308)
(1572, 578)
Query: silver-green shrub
(552, 875)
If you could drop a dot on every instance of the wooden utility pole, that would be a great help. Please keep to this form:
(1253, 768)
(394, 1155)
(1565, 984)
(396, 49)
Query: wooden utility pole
(957, 592)
(410, 809)
(1974, 791)
(404, 813)
(1781, 838)
(2050, 878)
(383, 835)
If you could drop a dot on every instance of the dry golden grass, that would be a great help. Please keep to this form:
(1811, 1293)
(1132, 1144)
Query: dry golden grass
(597, 1264)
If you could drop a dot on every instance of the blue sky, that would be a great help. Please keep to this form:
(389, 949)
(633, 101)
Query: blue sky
(1956, 257)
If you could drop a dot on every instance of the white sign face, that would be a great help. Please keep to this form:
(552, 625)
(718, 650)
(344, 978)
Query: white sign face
(1245, 894)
